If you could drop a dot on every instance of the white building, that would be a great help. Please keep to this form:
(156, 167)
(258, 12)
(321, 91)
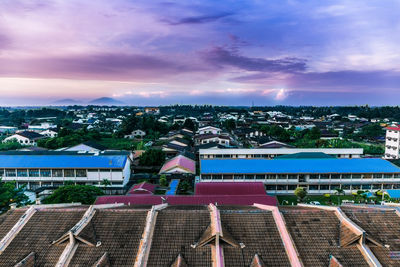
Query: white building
(26, 138)
(87, 146)
(209, 130)
(251, 153)
(42, 126)
(318, 175)
(136, 133)
(49, 133)
(8, 129)
(54, 168)
(392, 142)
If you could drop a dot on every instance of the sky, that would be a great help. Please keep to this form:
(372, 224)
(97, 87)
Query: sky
(226, 52)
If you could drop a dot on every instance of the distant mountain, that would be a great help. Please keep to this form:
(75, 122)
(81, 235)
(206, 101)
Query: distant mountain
(107, 101)
(67, 102)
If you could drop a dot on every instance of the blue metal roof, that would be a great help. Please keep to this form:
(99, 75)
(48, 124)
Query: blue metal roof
(63, 161)
(253, 166)
(393, 193)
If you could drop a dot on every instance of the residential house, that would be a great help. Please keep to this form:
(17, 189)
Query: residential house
(209, 130)
(26, 138)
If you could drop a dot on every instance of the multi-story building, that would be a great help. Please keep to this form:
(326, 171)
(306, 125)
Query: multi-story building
(243, 153)
(53, 168)
(392, 143)
(319, 176)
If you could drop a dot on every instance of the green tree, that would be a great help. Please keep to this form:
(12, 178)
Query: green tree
(313, 134)
(105, 183)
(10, 194)
(152, 157)
(85, 194)
(300, 193)
(339, 191)
(163, 180)
(230, 125)
(189, 124)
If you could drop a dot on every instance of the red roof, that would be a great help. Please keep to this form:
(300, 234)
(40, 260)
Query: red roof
(230, 188)
(393, 128)
(243, 200)
(143, 188)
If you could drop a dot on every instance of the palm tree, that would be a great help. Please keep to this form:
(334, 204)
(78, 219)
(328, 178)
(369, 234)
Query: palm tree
(105, 183)
(339, 191)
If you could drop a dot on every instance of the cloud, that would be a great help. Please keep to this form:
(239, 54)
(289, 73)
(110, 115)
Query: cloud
(199, 19)
(112, 66)
(220, 56)
(282, 94)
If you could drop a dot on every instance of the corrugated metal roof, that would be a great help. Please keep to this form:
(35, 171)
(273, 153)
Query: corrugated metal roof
(240, 166)
(63, 161)
(244, 200)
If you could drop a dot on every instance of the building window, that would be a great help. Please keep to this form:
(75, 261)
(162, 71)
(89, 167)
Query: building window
(292, 176)
(324, 187)
(45, 173)
(282, 176)
(324, 176)
(367, 176)
(387, 186)
(238, 176)
(10, 173)
(314, 176)
(356, 176)
(228, 176)
(345, 186)
(346, 176)
(366, 186)
(292, 187)
(313, 187)
(249, 176)
(377, 176)
(34, 173)
(281, 187)
(335, 176)
(57, 173)
(217, 177)
(376, 186)
(271, 187)
(69, 173)
(271, 176)
(22, 172)
(206, 176)
(356, 187)
(260, 176)
(335, 186)
(1, 172)
(81, 173)
(93, 170)
(388, 175)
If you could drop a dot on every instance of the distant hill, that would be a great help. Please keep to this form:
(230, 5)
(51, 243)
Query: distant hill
(106, 101)
(67, 102)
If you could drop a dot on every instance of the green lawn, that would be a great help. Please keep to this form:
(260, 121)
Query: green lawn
(333, 200)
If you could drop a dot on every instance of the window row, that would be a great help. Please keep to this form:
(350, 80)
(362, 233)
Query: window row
(301, 177)
(333, 187)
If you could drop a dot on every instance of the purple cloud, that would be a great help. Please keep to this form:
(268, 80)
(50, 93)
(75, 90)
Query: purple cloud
(97, 66)
(199, 19)
(220, 56)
